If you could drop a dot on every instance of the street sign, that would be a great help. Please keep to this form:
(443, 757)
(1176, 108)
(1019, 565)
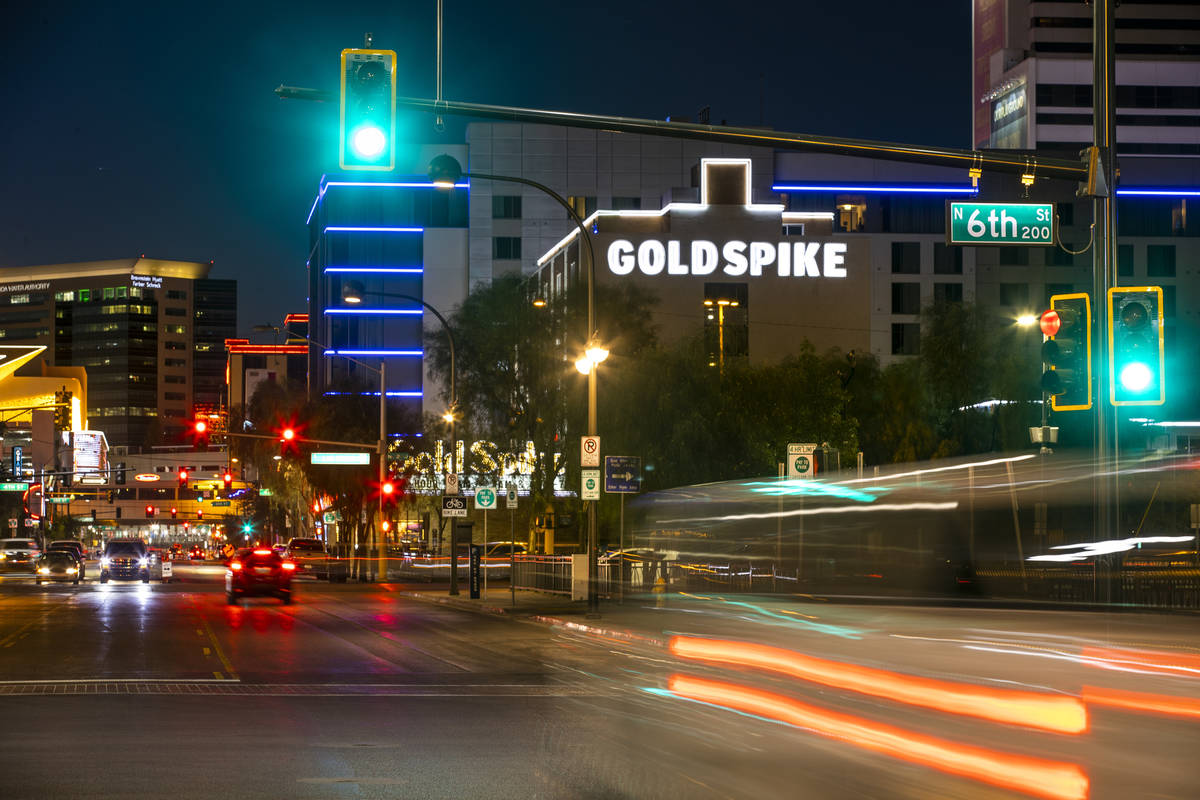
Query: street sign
(60, 499)
(591, 485)
(17, 486)
(330, 517)
(800, 461)
(454, 506)
(589, 451)
(18, 459)
(28, 522)
(340, 458)
(623, 474)
(510, 498)
(12, 522)
(485, 499)
(220, 503)
(1001, 223)
(451, 483)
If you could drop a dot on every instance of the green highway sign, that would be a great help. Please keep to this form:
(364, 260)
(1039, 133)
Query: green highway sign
(219, 503)
(14, 487)
(1001, 223)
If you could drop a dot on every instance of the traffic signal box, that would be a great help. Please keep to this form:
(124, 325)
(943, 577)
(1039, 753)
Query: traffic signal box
(367, 133)
(1136, 353)
(1067, 352)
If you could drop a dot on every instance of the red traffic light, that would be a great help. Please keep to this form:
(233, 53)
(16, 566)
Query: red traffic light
(149, 512)
(199, 513)
(287, 434)
(388, 488)
(227, 478)
(183, 477)
(174, 513)
(201, 426)
(1050, 322)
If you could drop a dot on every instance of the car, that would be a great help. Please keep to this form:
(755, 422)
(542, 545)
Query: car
(125, 559)
(196, 553)
(160, 564)
(311, 558)
(259, 572)
(59, 564)
(75, 547)
(19, 555)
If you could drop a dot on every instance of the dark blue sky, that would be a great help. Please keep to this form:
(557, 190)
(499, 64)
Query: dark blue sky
(149, 127)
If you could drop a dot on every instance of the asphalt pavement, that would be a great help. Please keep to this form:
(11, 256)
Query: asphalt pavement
(391, 690)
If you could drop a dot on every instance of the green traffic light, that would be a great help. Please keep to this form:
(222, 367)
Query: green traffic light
(247, 527)
(368, 142)
(1136, 377)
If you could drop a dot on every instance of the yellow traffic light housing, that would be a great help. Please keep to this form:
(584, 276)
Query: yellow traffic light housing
(1067, 352)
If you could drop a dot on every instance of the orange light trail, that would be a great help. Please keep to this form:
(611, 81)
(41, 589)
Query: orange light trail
(1051, 712)
(1185, 665)
(1142, 702)
(1037, 777)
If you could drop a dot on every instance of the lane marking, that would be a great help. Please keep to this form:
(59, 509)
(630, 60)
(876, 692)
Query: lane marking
(218, 675)
(212, 637)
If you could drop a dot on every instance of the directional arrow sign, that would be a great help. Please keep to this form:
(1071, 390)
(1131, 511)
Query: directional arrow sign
(485, 498)
(622, 474)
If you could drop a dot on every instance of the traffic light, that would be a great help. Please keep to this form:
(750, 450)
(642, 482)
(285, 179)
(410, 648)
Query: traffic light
(183, 478)
(287, 441)
(174, 513)
(200, 434)
(367, 135)
(93, 516)
(199, 514)
(149, 512)
(227, 479)
(1136, 355)
(1067, 352)
(62, 411)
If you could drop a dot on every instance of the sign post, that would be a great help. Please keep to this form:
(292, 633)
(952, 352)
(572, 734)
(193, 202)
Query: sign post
(800, 460)
(510, 502)
(1001, 223)
(622, 475)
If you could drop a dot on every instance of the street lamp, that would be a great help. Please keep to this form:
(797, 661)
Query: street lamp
(381, 370)
(445, 172)
(352, 292)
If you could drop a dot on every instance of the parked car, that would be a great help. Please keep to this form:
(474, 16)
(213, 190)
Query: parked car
(260, 572)
(196, 553)
(125, 559)
(19, 555)
(59, 564)
(311, 558)
(75, 547)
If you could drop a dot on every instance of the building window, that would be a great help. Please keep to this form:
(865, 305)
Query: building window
(1014, 257)
(176, 329)
(1168, 302)
(947, 293)
(1125, 260)
(851, 212)
(947, 260)
(726, 322)
(64, 297)
(906, 338)
(906, 258)
(1014, 295)
(180, 379)
(18, 299)
(506, 247)
(1059, 257)
(906, 298)
(1160, 260)
(85, 295)
(174, 362)
(174, 396)
(583, 206)
(506, 206)
(175, 345)
(176, 294)
(1057, 288)
(1066, 213)
(626, 203)
(175, 312)
(173, 412)
(110, 293)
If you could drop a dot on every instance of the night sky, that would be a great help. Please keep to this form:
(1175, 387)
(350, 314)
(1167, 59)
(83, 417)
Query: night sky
(151, 128)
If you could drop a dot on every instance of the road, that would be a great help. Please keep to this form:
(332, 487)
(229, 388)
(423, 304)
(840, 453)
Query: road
(365, 691)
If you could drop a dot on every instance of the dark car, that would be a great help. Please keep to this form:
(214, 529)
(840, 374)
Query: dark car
(196, 553)
(19, 555)
(260, 572)
(311, 558)
(75, 547)
(125, 560)
(59, 564)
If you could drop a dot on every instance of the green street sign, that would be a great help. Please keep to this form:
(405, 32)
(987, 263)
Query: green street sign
(1001, 223)
(265, 493)
(219, 503)
(14, 487)
(340, 458)
(59, 499)
(485, 498)
(802, 465)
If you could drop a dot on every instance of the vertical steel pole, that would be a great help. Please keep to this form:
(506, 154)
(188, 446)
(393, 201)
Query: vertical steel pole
(453, 522)
(382, 466)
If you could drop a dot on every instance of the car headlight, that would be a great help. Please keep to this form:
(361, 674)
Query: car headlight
(71, 570)
(2, 556)
(44, 570)
(143, 562)
(104, 561)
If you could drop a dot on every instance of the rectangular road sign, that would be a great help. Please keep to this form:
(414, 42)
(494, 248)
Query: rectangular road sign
(454, 506)
(17, 486)
(589, 451)
(622, 474)
(340, 458)
(800, 460)
(485, 499)
(591, 484)
(220, 503)
(510, 498)
(1001, 223)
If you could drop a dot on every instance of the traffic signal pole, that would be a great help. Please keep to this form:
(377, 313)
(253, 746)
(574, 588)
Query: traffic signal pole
(1104, 212)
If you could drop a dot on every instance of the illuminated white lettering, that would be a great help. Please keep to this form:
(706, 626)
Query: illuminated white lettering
(761, 254)
(785, 260)
(805, 259)
(835, 256)
(735, 258)
(620, 257)
(673, 265)
(652, 257)
(704, 257)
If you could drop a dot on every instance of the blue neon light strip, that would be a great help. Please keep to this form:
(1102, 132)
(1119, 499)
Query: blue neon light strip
(405, 311)
(888, 189)
(374, 394)
(385, 184)
(387, 270)
(358, 229)
(374, 353)
(1158, 192)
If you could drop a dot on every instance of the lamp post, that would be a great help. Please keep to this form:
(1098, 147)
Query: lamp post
(381, 370)
(444, 172)
(352, 292)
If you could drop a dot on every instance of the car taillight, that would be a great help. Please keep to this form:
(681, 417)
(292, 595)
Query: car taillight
(288, 565)
(262, 552)
(235, 565)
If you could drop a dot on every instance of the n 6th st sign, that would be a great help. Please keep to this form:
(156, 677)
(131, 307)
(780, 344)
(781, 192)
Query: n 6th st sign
(1001, 223)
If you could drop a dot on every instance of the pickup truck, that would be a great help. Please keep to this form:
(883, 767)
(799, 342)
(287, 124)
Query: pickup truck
(311, 558)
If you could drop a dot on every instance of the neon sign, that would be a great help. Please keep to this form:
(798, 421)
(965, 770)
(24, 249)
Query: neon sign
(788, 259)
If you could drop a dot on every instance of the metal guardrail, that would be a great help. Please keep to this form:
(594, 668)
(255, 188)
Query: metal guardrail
(551, 574)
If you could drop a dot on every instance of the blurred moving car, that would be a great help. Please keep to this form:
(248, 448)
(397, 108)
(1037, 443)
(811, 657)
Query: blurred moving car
(74, 547)
(59, 565)
(125, 559)
(196, 553)
(19, 555)
(311, 558)
(260, 572)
